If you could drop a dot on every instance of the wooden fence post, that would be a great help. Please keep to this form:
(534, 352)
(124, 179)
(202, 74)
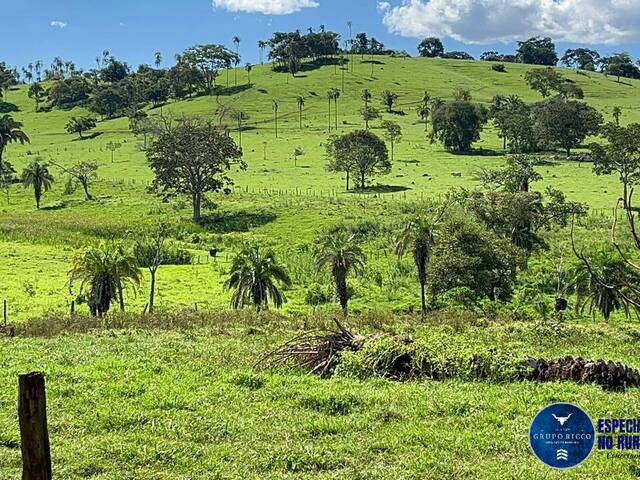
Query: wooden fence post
(34, 436)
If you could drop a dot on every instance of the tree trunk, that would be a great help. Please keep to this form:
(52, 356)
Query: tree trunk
(85, 187)
(347, 180)
(120, 296)
(34, 435)
(343, 294)
(423, 297)
(362, 182)
(197, 209)
(152, 289)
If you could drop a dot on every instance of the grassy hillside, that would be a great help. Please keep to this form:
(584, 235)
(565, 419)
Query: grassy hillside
(274, 200)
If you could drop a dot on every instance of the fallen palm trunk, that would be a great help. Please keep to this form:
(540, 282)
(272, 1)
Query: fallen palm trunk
(324, 352)
(609, 375)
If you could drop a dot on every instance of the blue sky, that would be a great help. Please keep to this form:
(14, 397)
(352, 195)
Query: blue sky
(133, 30)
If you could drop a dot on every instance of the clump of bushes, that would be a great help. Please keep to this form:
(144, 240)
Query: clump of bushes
(499, 67)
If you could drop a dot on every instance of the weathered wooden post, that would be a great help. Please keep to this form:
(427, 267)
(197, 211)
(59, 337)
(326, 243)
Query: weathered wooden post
(34, 435)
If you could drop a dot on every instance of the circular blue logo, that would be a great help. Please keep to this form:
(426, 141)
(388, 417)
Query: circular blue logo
(562, 435)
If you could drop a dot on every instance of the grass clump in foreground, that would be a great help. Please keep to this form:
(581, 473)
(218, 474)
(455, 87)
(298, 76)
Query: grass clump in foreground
(170, 396)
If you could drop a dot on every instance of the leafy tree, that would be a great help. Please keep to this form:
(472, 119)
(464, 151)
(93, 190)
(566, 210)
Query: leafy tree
(80, 125)
(339, 250)
(519, 174)
(462, 95)
(69, 92)
(389, 99)
(565, 123)
(581, 58)
(159, 92)
(84, 172)
(192, 158)
(616, 113)
(37, 175)
(457, 124)
(149, 253)
(209, 59)
(469, 255)
(601, 285)
(537, 51)
(547, 80)
(621, 155)
(104, 272)
(110, 101)
(36, 91)
(254, 277)
(419, 238)
(10, 131)
(248, 67)
(364, 153)
(369, 114)
(114, 71)
(619, 65)
(184, 78)
(457, 55)
(392, 134)
(431, 47)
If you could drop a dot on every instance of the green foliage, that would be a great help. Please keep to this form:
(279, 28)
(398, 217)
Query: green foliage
(537, 51)
(80, 125)
(254, 276)
(458, 124)
(69, 92)
(37, 176)
(431, 47)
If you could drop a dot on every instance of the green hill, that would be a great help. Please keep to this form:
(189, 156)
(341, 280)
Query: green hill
(276, 199)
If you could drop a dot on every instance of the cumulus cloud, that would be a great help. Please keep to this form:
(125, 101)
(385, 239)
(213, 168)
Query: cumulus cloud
(490, 21)
(58, 24)
(268, 7)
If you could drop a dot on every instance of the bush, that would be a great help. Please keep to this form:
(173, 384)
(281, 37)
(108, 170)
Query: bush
(499, 67)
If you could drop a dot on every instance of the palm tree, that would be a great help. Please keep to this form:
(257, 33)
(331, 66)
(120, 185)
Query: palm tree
(300, 102)
(262, 45)
(248, 67)
(254, 277)
(330, 94)
(341, 252)
(37, 175)
(236, 42)
(158, 59)
(10, 131)
(366, 98)
(601, 285)
(104, 271)
(275, 113)
(418, 237)
(336, 96)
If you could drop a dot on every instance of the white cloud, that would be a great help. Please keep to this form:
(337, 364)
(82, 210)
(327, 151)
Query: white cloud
(59, 24)
(268, 7)
(489, 21)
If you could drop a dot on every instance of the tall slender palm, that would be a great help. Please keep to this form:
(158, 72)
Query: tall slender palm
(10, 131)
(262, 45)
(340, 251)
(418, 237)
(104, 271)
(366, 98)
(158, 59)
(37, 175)
(276, 106)
(336, 96)
(255, 274)
(248, 67)
(236, 42)
(330, 94)
(300, 101)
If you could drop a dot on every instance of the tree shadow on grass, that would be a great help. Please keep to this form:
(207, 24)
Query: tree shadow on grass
(375, 62)
(479, 152)
(87, 137)
(237, 221)
(231, 90)
(381, 189)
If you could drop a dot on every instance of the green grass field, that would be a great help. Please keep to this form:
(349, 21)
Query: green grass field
(135, 401)
(275, 200)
